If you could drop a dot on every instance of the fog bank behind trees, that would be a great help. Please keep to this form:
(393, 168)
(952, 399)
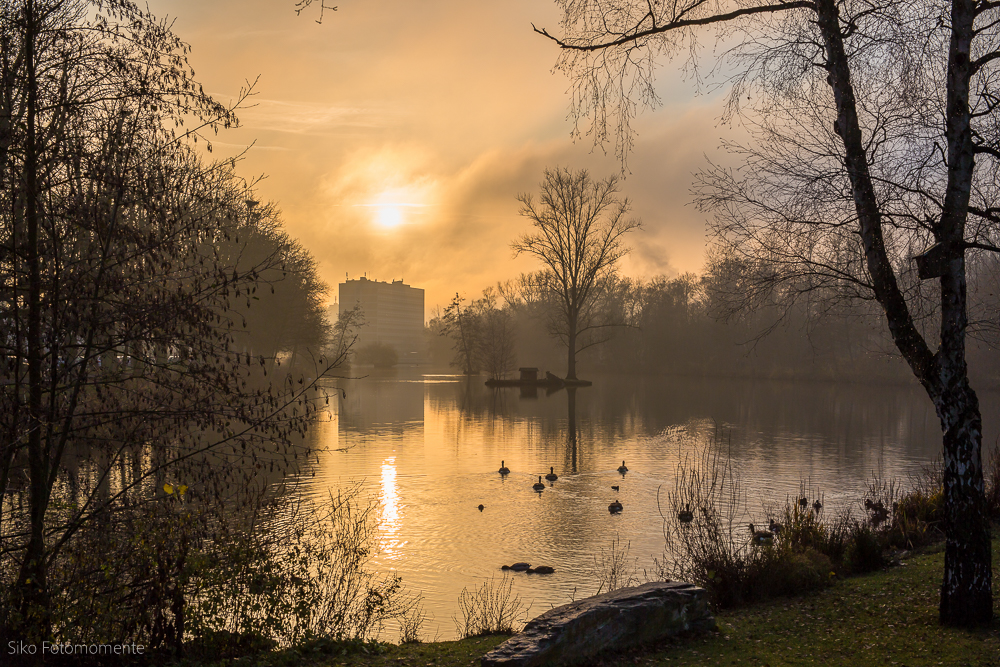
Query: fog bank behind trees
(701, 325)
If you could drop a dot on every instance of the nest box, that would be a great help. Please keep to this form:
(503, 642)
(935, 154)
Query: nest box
(933, 262)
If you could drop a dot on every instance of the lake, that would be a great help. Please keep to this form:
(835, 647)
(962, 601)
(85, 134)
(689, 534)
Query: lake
(428, 446)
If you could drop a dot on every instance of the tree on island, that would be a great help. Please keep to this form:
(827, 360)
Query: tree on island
(876, 135)
(578, 228)
(462, 327)
(496, 335)
(482, 335)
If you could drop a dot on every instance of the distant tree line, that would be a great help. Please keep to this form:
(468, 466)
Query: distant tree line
(720, 323)
(702, 325)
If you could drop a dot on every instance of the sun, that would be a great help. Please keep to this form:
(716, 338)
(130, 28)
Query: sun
(392, 208)
(389, 215)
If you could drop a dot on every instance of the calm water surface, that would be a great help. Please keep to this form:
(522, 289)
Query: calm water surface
(428, 446)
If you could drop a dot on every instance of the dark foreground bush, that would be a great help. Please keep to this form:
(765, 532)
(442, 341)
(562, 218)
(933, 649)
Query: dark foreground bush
(712, 542)
(865, 550)
(221, 644)
(712, 539)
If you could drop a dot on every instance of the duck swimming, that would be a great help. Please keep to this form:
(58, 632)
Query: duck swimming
(622, 469)
(504, 470)
(761, 536)
(538, 486)
(685, 515)
(615, 507)
(552, 476)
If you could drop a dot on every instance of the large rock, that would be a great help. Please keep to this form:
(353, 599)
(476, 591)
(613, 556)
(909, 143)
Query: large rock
(627, 617)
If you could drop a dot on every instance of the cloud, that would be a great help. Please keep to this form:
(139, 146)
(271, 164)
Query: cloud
(308, 118)
(448, 104)
(460, 240)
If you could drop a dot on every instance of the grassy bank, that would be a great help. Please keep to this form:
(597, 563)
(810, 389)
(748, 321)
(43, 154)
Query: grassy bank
(884, 618)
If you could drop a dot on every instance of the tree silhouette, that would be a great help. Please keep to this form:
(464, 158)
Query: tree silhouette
(120, 276)
(875, 128)
(578, 228)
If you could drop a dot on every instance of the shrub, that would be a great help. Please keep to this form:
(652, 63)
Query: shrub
(916, 518)
(727, 577)
(715, 550)
(799, 572)
(613, 570)
(490, 609)
(221, 645)
(305, 576)
(838, 539)
(710, 549)
(705, 522)
(801, 529)
(910, 519)
(865, 550)
(411, 623)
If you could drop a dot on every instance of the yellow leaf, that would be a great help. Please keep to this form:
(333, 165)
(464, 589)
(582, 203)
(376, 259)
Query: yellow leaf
(168, 488)
(182, 489)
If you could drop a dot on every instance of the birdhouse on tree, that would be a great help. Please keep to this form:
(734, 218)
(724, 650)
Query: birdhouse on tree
(933, 262)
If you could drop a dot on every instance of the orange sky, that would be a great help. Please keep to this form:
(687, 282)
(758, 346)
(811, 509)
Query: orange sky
(396, 135)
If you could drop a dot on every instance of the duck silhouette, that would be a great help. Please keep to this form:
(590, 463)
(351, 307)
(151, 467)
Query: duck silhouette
(552, 476)
(685, 515)
(538, 486)
(616, 488)
(481, 507)
(761, 536)
(622, 469)
(615, 507)
(504, 470)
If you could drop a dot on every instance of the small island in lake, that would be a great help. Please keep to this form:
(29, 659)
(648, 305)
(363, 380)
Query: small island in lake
(529, 378)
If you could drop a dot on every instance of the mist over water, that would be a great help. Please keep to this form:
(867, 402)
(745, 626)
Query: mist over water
(428, 446)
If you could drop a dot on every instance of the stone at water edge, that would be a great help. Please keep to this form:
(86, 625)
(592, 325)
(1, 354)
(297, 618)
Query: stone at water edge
(578, 631)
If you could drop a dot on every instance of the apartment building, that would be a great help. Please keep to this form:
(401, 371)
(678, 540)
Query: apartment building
(393, 313)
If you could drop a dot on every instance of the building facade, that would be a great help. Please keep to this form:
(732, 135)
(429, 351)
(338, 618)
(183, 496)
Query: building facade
(393, 314)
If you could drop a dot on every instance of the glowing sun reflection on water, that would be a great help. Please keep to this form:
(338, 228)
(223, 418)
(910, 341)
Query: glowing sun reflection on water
(390, 508)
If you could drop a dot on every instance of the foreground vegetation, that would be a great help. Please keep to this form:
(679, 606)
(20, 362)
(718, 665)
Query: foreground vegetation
(887, 617)
(160, 341)
(835, 589)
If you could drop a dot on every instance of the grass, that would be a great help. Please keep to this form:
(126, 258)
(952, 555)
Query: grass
(883, 618)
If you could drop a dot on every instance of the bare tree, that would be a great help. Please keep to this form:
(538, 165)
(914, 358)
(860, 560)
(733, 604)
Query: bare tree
(482, 334)
(463, 328)
(496, 335)
(876, 133)
(579, 224)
